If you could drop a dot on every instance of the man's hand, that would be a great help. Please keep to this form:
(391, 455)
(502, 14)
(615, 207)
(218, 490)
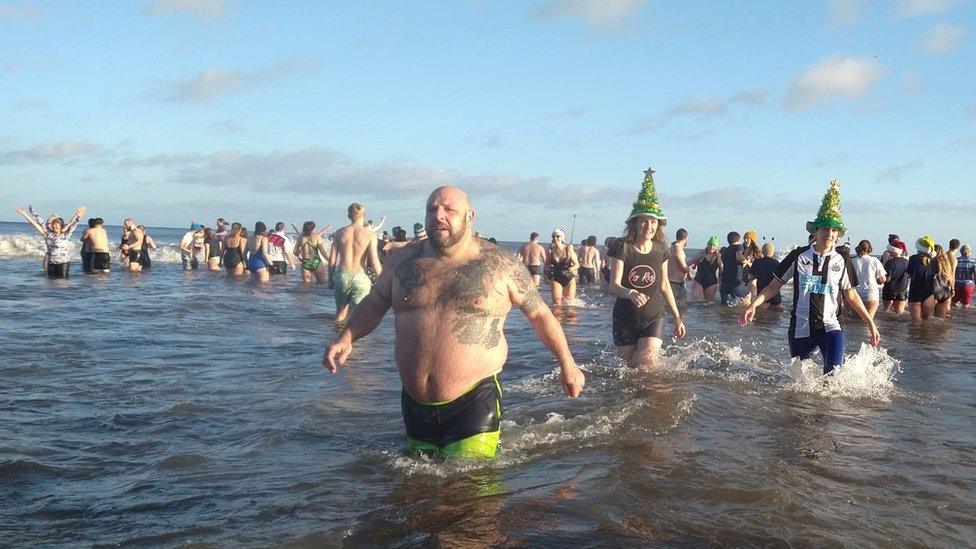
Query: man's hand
(80, 211)
(747, 316)
(875, 335)
(572, 379)
(336, 354)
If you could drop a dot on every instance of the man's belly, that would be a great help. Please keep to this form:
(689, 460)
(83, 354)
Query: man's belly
(435, 367)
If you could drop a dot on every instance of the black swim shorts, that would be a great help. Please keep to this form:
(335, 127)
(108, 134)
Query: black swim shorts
(442, 423)
(587, 275)
(890, 294)
(133, 256)
(535, 270)
(101, 261)
(627, 332)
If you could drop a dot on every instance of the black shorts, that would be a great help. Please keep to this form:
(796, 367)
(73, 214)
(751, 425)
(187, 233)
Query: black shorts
(475, 412)
(86, 261)
(587, 275)
(534, 270)
(133, 256)
(58, 270)
(918, 295)
(605, 272)
(889, 294)
(100, 261)
(627, 332)
(278, 268)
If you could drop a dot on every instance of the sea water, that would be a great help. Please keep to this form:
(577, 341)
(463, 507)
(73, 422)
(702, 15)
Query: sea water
(170, 407)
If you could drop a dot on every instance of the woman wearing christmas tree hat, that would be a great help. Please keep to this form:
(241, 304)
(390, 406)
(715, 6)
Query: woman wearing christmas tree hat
(638, 277)
(820, 276)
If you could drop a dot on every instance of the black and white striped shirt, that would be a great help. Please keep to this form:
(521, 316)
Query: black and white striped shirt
(818, 283)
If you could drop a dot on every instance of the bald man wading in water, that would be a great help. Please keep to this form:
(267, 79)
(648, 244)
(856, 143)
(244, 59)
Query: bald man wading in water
(451, 294)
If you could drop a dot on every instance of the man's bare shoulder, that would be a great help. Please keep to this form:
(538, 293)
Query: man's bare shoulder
(401, 254)
(499, 257)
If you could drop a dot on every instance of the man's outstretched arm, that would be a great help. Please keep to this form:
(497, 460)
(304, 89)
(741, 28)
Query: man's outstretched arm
(364, 319)
(526, 296)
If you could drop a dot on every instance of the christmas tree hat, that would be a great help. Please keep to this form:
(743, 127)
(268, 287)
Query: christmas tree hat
(647, 204)
(829, 214)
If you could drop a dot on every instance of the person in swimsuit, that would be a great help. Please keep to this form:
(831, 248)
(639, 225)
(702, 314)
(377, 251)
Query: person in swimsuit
(96, 239)
(589, 261)
(148, 243)
(257, 253)
(352, 246)
(57, 239)
(820, 277)
(135, 239)
(235, 246)
(943, 283)
(533, 256)
(310, 250)
(561, 268)
(678, 269)
(450, 295)
(638, 278)
(213, 248)
(921, 268)
(708, 265)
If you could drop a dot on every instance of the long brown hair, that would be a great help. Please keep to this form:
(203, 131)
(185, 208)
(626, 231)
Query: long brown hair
(630, 233)
(944, 263)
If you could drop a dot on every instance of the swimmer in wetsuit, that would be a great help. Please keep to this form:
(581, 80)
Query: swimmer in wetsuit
(450, 295)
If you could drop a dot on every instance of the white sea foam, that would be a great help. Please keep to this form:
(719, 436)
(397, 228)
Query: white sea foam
(868, 373)
(32, 246)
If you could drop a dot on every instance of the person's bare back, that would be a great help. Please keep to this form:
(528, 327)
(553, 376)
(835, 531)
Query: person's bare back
(97, 239)
(351, 244)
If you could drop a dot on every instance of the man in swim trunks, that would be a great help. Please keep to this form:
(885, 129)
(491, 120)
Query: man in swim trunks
(678, 269)
(133, 245)
(589, 257)
(450, 296)
(350, 246)
(533, 256)
(96, 240)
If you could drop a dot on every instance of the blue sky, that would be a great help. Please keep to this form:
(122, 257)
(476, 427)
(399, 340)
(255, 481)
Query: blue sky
(167, 110)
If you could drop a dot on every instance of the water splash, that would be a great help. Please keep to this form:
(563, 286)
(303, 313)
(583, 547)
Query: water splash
(32, 246)
(868, 373)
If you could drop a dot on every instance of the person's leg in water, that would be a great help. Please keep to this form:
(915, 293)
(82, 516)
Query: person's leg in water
(557, 292)
(710, 292)
(831, 345)
(569, 290)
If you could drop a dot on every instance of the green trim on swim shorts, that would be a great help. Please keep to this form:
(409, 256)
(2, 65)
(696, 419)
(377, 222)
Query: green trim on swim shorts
(472, 388)
(480, 446)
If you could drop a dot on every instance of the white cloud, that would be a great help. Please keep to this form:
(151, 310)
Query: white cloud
(846, 12)
(943, 39)
(603, 14)
(837, 77)
(53, 151)
(915, 8)
(208, 84)
(204, 9)
(700, 108)
(896, 172)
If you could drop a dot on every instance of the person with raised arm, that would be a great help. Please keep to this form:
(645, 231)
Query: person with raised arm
(57, 239)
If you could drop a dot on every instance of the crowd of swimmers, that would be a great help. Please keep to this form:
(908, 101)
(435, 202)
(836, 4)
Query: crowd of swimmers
(451, 291)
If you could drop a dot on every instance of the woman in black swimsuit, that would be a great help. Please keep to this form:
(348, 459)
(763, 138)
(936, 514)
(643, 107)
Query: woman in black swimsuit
(709, 264)
(561, 268)
(234, 246)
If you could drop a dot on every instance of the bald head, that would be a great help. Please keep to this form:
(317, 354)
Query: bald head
(449, 217)
(452, 195)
